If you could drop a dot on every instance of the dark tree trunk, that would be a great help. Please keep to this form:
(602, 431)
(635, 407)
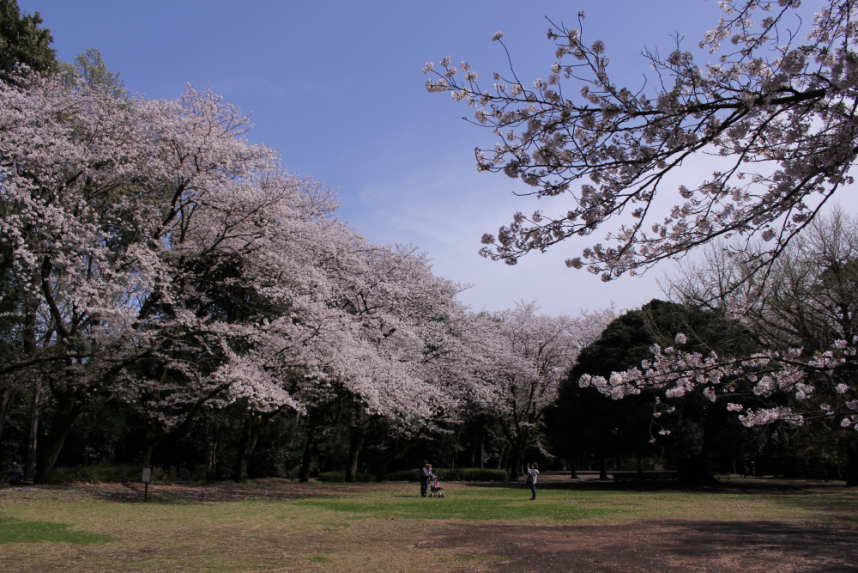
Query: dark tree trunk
(252, 431)
(29, 340)
(355, 445)
(640, 466)
(30, 461)
(147, 455)
(572, 473)
(515, 455)
(7, 396)
(309, 456)
(603, 468)
(68, 410)
(852, 465)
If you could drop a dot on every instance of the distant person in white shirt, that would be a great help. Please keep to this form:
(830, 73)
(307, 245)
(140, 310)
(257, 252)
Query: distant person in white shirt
(532, 474)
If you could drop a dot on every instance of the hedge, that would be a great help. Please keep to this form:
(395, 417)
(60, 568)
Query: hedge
(341, 477)
(457, 474)
(118, 473)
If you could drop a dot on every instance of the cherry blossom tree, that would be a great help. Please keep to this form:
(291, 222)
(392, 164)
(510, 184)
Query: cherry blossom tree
(405, 331)
(148, 243)
(775, 108)
(530, 354)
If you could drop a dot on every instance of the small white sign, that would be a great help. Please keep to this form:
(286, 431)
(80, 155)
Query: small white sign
(147, 475)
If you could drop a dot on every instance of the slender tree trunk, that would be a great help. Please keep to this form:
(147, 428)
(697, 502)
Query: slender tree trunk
(68, 410)
(355, 445)
(7, 396)
(603, 467)
(482, 447)
(502, 457)
(30, 462)
(640, 466)
(29, 341)
(211, 457)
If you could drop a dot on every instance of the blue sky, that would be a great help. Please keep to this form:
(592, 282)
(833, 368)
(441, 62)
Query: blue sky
(337, 88)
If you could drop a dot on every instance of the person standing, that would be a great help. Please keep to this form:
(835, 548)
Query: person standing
(423, 477)
(15, 473)
(532, 474)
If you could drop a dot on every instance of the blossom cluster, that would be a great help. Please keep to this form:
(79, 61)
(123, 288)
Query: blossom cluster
(777, 111)
(814, 387)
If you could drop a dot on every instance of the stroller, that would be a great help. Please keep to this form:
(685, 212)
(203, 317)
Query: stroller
(435, 488)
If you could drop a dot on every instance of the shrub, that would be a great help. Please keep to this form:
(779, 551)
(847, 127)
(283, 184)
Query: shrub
(457, 474)
(115, 473)
(98, 473)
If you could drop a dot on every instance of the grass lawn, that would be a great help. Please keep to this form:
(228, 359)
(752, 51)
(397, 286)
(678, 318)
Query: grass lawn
(273, 525)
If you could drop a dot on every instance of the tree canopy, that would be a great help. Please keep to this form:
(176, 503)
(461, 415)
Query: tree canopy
(22, 41)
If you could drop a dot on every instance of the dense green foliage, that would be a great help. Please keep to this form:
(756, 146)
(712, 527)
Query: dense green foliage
(585, 422)
(23, 42)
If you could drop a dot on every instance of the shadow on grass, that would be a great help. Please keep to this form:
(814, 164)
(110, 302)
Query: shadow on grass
(194, 493)
(666, 546)
(14, 530)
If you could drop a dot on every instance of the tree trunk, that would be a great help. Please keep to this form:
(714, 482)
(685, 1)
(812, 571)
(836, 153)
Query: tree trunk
(502, 457)
(309, 455)
(603, 468)
(147, 455)
(482, 447)
(640, 466)
(30, 462)
(68, 410)
(852, 465)
(355, 445)
(572, 473)
(7, 396)
(252, 431)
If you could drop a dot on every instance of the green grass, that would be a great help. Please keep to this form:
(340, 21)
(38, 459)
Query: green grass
(565, 506)
(14, 530)
(359, 528)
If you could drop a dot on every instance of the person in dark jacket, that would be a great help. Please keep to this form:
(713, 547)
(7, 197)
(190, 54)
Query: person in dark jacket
(423, 475)
(15, 473)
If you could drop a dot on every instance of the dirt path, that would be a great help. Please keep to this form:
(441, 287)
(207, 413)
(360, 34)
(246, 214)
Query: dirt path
(663, 546)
